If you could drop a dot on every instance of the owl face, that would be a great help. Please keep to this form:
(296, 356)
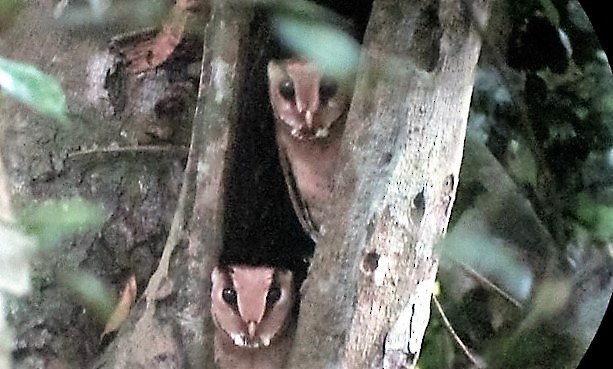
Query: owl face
(304, 99)
(251, 304)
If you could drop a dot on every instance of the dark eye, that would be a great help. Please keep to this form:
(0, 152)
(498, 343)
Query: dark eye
(286, 89)
(274, 294)
(327, 89)
(229, 296)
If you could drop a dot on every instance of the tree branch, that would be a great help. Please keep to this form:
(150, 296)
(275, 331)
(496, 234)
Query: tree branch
(185, 337)
(368, 293)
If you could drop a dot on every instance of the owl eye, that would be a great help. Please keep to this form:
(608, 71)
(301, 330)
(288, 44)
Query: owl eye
(229, 296)
(327, 89)
(274, 294)
(286, 89)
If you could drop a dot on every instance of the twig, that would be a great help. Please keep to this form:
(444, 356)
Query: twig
(129, 149)
(478, 362)
(473, 273)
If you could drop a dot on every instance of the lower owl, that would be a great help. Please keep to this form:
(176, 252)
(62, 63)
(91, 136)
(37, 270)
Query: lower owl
(310, 112)
(252, 308)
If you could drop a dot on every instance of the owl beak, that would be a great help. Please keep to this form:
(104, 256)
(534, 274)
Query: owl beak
(308, 117)
(251, 327)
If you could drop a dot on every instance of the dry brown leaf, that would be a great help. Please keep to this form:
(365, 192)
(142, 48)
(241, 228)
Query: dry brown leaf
(122, 309)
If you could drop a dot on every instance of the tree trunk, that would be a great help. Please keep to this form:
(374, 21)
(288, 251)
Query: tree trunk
(367, 296)
(96, 158)
(366, 301)
(198, 223)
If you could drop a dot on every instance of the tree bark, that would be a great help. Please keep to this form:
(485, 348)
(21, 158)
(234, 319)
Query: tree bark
(366, 301)
(198, 223)
(367, 297)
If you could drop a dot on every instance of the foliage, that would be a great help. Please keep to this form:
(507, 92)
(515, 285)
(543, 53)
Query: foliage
(50, 220)
(530, 245)
(533, 220)
(45, 224)
(42, 226)
(313, 32)
(91, 292)
(33, 88)
(15, 255)
(102, 12)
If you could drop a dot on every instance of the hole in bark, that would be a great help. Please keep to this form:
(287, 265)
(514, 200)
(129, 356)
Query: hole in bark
(449, 182)
(115, 85)
(419, 204)
(387, 158)
(370, 262)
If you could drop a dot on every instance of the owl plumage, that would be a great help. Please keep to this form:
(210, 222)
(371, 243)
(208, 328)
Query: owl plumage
(304, 99)
(252, 308)
(310, 110)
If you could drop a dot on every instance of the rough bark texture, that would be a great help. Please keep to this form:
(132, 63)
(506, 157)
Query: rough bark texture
(366, 300)
(187, 342)
(373, 271)
(109, 156)
(98, 158)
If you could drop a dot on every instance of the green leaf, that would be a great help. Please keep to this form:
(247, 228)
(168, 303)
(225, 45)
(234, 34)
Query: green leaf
(39, 91)
(91, 292)
(550, 297)
(551, 12)
(14, 260)
(470, 243)
(522, 165)
(331, 49)
(52, 220)
(536, 348)
(596, 217)
(437, 348)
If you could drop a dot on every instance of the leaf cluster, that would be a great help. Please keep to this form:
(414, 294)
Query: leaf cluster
(533, 220)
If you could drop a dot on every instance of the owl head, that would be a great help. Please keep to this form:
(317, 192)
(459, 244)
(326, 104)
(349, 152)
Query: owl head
(251, 304)
(304, 99)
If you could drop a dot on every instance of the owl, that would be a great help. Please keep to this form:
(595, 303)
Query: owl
(310, 111)
(252, 308)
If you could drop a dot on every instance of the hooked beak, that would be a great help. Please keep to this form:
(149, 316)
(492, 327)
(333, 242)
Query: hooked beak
(251, 326)
(308, 117)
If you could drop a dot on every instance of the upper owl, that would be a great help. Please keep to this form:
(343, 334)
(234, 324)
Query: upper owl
(307, 101)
